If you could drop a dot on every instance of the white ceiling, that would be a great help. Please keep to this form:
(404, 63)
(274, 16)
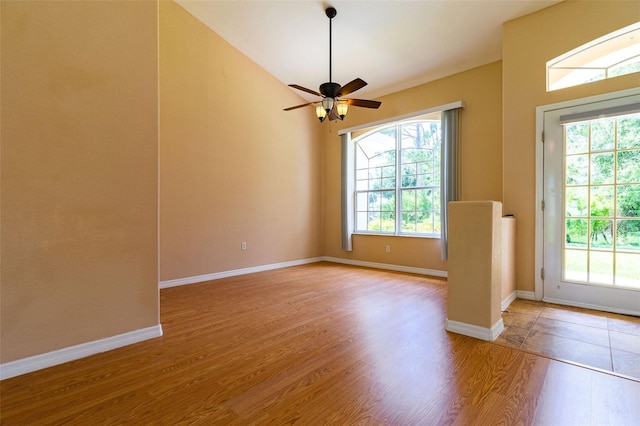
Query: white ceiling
(392, 45)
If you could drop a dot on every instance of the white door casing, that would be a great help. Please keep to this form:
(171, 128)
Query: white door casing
(550, 285)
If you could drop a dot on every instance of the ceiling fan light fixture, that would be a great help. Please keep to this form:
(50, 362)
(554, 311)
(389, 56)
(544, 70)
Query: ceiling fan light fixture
(327, 104)
(342, 109)
(333, 104)
(320, 112)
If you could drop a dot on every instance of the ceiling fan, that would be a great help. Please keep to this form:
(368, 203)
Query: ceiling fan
(333, 105)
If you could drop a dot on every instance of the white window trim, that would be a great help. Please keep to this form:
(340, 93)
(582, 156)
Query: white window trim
(391, 120)
(397, 232)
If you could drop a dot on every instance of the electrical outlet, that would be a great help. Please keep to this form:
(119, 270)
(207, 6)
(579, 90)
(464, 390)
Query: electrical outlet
(243, 246)
(388, 249)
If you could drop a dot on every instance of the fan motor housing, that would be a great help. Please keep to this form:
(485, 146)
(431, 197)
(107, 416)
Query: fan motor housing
(330, 89)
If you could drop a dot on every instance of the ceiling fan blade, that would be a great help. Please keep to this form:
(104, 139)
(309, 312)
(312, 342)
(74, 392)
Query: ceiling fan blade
(298, 106)
(365, 103)
(352, 86)
(304, 89)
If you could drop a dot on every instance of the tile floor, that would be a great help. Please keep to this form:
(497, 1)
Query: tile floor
(596, 339)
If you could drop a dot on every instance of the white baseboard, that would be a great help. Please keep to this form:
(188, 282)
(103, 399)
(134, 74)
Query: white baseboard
(508, 300)
(527, 295)
(71, 353)
(387, 266)
(235, 272)
(253, 269)
(478, 332)
(593, 307)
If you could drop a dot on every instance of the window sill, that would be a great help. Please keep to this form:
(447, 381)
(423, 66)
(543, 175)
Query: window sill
(381, 234)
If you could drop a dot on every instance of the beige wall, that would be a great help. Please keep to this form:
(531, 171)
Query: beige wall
(475, 263)
(79, 158)
(481, 160)
(528, 43)
(233, 166)
(79, 141)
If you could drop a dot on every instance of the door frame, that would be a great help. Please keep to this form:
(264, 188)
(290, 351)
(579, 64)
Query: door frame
(539, 218)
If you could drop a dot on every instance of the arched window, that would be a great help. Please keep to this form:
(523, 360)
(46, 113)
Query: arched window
(397, 178)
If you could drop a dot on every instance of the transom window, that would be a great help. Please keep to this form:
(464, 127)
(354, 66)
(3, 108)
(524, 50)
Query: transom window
(615, 54)
(397, 179)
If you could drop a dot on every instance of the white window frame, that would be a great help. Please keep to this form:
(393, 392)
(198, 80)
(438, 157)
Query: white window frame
(597, 60)
(398, 188)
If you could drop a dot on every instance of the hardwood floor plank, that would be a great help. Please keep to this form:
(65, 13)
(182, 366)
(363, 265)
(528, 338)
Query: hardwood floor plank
(315, 344)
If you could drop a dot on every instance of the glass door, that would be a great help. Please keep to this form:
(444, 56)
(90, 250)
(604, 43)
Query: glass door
(592, 205)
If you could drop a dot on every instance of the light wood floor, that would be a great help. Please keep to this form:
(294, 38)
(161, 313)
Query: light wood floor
(311, 345)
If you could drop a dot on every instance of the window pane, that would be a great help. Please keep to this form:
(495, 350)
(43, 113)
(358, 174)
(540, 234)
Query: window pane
(408, 200)
(601, 267)
(362, 179)
(415, 155)
(409, 175)
(388, 201)
(424, 200)
(373, 203)
(408, 222)
(628, 200)
(602, 234)
(577, 169)
(575, 265)
(428, 167)
(628, 270)
(426, 180)
(377, 143)
(566, 78)
(423, 134)
(601, 201)
(576, 233)
(627, 67)
(361, 221)
(602, 134)
(577, 138)
(411, 135)
(388, 211)
(387, 183)
(628, 235)
(373, 222)
(388, 223)
(629, 132)
(576, 201)
(602, 167)
(629, 166)
(426, 224)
